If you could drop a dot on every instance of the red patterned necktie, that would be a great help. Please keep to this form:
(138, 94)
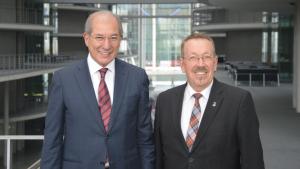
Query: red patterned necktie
(104, 99)
(194, 122)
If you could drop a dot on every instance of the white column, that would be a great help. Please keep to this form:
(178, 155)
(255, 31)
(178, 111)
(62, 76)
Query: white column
(141, 52)
(154, 36)
(46, 16)
(55, 24)
(296, 78)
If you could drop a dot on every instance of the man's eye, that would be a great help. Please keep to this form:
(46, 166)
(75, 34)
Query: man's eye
(99, 38)
(114, 38)
(193, 58)
(207, 57)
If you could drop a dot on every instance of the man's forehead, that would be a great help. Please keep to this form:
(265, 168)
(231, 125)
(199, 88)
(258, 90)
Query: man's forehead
(105, 28)
(106, 33)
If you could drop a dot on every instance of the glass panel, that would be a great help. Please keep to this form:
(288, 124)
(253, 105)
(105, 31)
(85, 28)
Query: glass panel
(170, 32)
(264, 47)
(154, 32)
(274, 46)
(173, 9)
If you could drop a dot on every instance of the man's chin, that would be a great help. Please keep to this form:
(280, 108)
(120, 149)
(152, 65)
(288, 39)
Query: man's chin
(201, 77)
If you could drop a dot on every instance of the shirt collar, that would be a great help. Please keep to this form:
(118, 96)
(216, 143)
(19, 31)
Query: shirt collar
(95, 67)
(205, 93)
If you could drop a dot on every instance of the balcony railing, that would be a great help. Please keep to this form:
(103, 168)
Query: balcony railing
(8, 147)
(11, 64)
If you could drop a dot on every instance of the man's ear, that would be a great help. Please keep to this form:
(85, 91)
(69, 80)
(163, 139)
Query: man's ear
(85, 38)
(216, 63)
(181, 64)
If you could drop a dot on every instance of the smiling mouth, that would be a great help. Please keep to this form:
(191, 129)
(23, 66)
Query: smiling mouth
(200, 73)
(104, 53)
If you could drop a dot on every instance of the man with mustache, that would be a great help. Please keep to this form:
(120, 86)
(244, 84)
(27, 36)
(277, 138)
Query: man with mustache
(98, 113)
(205, 124)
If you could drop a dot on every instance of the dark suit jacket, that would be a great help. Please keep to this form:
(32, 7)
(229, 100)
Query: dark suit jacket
(228, 136)
(75, 137)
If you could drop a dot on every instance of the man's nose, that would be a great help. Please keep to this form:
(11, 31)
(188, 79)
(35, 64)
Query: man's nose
(107, 43)
(200, 61)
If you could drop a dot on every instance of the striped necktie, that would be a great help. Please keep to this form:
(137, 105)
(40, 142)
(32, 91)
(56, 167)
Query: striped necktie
(194, 122)
(104, 99)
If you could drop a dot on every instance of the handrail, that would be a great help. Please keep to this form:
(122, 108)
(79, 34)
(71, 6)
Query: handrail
(33, 61)
(35, 165)
(8, 139)
(21, 137)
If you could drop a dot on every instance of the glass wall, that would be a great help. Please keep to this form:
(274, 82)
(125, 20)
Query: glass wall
(153, 32)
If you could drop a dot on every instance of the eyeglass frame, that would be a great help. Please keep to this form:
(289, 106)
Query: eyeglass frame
(204, 58)
(101, 38)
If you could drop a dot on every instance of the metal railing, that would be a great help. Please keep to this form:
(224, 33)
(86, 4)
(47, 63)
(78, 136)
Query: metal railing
(9, 138)
(35, 165)
(256, 77)
(201, 17)
(10, 63)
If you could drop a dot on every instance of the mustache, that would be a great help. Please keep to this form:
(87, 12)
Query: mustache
(199, 69)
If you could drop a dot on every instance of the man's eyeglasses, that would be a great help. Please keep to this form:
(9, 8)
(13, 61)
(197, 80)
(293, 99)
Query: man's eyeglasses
(204, 58)
(101, 38)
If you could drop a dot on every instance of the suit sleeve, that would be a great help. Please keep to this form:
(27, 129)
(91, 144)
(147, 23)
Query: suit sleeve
(53, 132)
(144, 128)
(248, 134)
(158, 151)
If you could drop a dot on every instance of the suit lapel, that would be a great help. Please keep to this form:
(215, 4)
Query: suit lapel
(86, 88)
(176, 111)
(121, 81)
(214, 103)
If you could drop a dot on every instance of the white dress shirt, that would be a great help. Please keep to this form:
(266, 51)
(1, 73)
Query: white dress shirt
(188, 104)
(94, 68)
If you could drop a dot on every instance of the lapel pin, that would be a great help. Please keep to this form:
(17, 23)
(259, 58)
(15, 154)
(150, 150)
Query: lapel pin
(214, 104)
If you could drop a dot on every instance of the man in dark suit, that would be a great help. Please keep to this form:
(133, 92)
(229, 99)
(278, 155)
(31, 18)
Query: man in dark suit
(205, 124)
(98, 115)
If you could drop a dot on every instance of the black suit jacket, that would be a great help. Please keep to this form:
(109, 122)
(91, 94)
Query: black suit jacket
(228, 136)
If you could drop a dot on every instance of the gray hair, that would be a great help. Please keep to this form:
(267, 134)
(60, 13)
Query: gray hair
(88, 22)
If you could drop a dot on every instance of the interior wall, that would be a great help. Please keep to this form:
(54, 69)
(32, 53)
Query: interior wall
(72, 46)
(1, 101)
(9, 39)
(244, 45)
(71, 21)
(236, 16)
(8, 11)
(220, 45)
(296, 68)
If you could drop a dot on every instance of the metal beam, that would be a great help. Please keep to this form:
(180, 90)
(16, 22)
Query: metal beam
(125, 2)
(26, 74)
(26, 27)
(234, 26)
